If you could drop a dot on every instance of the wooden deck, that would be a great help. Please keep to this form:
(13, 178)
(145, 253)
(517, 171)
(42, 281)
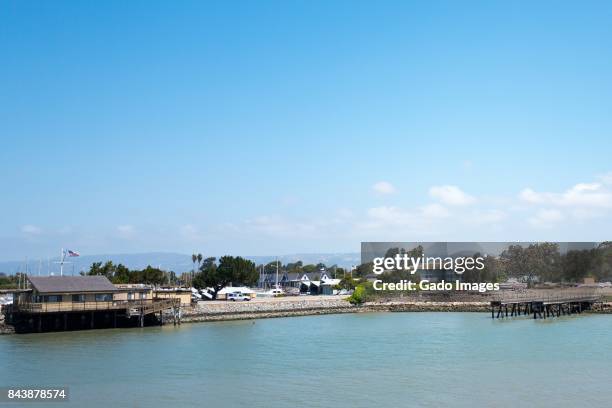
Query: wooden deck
(131, 307)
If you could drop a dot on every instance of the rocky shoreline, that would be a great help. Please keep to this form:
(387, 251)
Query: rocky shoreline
(248, 311)
(260, 310)
(219, 311)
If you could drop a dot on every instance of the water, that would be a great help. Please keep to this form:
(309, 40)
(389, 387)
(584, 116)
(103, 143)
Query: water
(350, 360)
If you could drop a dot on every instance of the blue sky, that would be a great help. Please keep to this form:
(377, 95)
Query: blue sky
(301, 126)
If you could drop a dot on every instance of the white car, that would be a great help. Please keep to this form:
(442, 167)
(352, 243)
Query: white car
(237, 296)
(276, 292)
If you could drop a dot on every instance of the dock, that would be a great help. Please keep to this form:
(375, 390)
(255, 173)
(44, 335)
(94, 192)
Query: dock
(56, 303)
(33, 317)
(544, 304)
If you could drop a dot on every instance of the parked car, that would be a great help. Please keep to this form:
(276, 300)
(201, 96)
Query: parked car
(237, 296)
(276, 292)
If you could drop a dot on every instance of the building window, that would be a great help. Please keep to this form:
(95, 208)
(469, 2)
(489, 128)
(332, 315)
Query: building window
(52, 298)
(104, 297)
(78, 298)
(130, 295)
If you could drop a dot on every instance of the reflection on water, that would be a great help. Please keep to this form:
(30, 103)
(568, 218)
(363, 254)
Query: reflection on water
(392, 359)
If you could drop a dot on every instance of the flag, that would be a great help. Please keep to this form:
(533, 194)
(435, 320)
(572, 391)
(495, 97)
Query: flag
(72, 253)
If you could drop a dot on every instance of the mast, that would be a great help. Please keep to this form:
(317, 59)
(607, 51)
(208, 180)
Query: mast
(62, 261)
(276, 272)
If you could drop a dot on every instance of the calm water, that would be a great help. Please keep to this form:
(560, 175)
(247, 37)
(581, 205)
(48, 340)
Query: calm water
(352, 360)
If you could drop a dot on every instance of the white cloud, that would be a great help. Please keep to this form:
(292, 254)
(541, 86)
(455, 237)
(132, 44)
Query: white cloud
(451, 195)
(31, 230)
(279, 226)
(546, 218)
(490, 216)
(190, 232)
(390, 215)
(383, 187)
(594, 195)
(126, 231)
(435, 210)
(606, 178)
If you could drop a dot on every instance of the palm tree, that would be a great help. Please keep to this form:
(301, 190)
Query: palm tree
(194, 258)
(200, 257)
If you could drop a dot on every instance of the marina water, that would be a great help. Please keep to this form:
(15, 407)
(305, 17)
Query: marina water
(349, 360)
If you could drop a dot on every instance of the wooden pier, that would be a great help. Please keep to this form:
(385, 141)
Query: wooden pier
(544, 304)
(58, 316)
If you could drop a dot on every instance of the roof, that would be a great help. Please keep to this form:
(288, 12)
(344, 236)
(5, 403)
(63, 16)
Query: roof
(172, 290)
(69, 284)
(232, 289)
(332, 282)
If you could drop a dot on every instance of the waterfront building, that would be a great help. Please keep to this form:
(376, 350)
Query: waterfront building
(182, 294)
(134, 291)
(62, 293)
(79, 302)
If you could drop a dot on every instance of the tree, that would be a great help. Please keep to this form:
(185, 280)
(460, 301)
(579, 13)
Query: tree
(544, 261)
(363, 270)
(577, 264)
(490, 273)
(209, 262)
(294, 267)
(515, 261)
(347, 283)
(108, 269)
(121, 274)
(541, 260)
(271, 267)
(602, 264)
(362, 293)
(231, 270)
(309, 268)
(194, 259)
(153, 276)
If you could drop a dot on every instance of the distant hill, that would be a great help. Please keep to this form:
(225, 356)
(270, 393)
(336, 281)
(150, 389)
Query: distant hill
(165, 260)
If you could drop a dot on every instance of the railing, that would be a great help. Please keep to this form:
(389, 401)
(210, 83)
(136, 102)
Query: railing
(147, 306)
(152, 306)
(549, 296)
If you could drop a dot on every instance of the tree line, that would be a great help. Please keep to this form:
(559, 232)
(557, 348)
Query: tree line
(120, 274)
(538, 262)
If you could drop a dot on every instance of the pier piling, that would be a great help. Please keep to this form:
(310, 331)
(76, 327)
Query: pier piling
(545, 304)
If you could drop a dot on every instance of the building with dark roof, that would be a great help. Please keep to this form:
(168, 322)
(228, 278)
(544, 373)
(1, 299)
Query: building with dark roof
(71, 284)
(77, 302)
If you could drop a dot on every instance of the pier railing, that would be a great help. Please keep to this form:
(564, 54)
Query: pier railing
(141, 306)
(549, 296)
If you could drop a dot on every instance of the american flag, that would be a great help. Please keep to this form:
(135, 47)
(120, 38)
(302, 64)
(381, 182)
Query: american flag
(72, 253)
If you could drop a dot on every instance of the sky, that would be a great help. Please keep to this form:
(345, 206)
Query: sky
(276, 127)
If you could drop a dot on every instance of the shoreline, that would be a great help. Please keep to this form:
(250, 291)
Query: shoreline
(321, 307)
(216, 311)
